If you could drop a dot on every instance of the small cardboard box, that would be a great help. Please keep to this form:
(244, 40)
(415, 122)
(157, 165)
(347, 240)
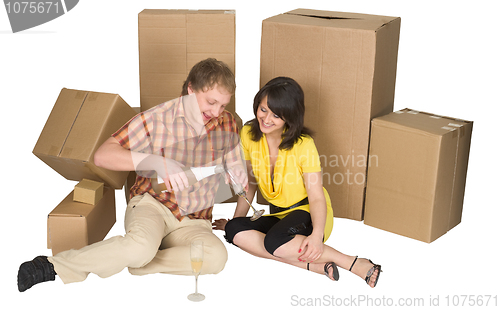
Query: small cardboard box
(79, 123)
(73, 225)
(171, 42)
(416, 174)
(88, 191)
(346, 65)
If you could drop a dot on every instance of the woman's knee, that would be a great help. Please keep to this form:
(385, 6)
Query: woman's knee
(274, 241)
(233, 227)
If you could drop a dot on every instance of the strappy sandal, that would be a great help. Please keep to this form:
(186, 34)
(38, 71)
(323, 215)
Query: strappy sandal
(328, 266)
(370, 272)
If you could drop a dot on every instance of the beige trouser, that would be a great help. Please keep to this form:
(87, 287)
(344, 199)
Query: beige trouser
(155, 241)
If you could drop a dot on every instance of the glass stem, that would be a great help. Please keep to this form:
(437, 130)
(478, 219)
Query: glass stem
(196, 284)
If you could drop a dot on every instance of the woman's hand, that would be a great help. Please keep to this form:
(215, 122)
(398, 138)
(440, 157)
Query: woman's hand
(240, 175)
(219, 224)
(311, 249)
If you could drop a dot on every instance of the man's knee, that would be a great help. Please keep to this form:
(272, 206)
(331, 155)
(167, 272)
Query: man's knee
(139, 251)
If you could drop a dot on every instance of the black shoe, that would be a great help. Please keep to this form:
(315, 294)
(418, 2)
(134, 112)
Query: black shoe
(33, 272)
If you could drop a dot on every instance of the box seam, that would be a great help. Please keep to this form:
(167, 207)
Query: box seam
(73, 124)
(457, 149)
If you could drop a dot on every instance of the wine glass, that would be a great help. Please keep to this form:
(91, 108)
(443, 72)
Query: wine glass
(196, 263)
(240, 191)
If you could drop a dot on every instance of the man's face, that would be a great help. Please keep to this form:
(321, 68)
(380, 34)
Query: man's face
(211, 102)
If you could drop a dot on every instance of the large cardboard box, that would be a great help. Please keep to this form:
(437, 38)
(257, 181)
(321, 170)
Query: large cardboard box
(73, 225)
(79, 123)
(346, 65)
(171, 42)
(416, 174)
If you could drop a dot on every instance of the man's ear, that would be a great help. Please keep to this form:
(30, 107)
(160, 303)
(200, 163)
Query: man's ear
(190, 90)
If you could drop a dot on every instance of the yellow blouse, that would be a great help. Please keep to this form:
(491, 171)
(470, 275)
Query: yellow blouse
(286, 187)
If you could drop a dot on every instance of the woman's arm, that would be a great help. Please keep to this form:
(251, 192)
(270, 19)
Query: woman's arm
(242, 206)
(317, 208)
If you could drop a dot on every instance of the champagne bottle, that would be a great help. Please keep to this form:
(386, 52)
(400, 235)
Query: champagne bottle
(194, 174)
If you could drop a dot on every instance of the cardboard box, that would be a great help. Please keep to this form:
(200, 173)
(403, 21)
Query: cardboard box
(346, 65)
(88, 191)
(171, 42)
(73, 225)
(79, 123)
(416, 174)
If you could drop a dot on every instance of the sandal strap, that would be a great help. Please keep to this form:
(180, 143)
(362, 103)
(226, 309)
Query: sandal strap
(371, 271)
(335, 273)
(353, 263)
(327, 267)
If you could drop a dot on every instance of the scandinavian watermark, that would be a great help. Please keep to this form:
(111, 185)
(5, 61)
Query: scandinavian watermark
(340, 168)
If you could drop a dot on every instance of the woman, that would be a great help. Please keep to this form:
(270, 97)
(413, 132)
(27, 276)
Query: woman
(282, 159)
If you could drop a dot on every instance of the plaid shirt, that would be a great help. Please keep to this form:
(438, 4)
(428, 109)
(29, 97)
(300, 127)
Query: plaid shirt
(164, 130)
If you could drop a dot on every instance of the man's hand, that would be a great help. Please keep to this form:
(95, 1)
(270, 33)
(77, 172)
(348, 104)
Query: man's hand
(173, 175)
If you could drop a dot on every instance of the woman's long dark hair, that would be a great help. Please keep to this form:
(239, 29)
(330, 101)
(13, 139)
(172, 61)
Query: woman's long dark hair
(285, 98)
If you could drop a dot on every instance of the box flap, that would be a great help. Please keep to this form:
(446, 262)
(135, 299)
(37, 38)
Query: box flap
(409, 119)
(333, 19)
(159, 12)
(69, 208)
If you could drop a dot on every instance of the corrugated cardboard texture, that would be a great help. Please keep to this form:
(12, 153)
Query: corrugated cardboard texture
(73, 225)
(79, 123)
(88, 191)
(416, 174)
(346, 65)
(171, 42)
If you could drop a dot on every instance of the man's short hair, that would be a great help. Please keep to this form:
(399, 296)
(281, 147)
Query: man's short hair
(206, 74)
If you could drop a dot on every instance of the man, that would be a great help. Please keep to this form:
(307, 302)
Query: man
(191, 131)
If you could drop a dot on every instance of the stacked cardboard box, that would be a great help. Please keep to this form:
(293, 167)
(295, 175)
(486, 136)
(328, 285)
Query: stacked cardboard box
(171, 42)
(416, 174)
(88, 191)
(73, 224)
(79, 123)
(346, 65)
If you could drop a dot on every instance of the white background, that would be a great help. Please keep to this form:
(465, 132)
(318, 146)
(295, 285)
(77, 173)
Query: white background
(448, 64)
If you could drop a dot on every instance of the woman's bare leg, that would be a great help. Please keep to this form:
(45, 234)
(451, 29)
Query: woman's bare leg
(252, 242)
